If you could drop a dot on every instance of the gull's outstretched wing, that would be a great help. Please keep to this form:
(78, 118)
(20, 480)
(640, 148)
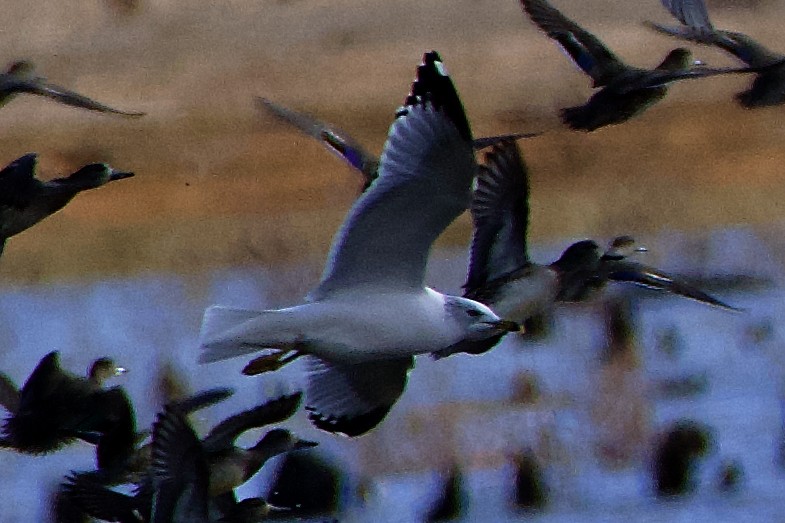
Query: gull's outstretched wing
(424, 183)
(500, 211)
(226, 432)
(588, 52)
(645, 276)
(336, 140)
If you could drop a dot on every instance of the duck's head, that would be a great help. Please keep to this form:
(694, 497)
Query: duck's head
(621, 247)
(102, 369)
(95, 175)
(678, 59)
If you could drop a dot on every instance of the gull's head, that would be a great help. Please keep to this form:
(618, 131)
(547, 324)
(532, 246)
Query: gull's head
(477, 321)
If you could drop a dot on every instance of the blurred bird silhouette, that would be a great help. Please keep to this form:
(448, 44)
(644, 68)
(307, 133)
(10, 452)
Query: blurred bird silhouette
(452, 500)
(530, 492)
(676, 455)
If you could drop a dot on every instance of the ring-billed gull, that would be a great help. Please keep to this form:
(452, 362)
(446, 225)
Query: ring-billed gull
(768, 88)
(625, 90)
(25, 200)
(501, 273)
(371, 313)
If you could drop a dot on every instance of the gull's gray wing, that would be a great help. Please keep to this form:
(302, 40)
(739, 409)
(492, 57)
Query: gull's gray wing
(226, 432)
(500, 211)
(14, 84)
(352, 398)
(645, 276)
(17, 181)
(424, 183)
(336, 140)
(588, 52)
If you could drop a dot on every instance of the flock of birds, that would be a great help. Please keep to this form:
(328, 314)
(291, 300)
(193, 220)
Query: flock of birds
(371, 313)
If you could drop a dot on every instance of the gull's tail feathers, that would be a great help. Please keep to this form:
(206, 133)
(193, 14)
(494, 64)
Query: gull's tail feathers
(353, 398)
(228, 332)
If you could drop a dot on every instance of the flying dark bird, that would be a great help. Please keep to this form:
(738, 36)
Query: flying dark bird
(25, 200)
(54, 408)
(371, 313)
(501, 272)
(19, 78)
(768, 88)
(625, 91)
(346, 147)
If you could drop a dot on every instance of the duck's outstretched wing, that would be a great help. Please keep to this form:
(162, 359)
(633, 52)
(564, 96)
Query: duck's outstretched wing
(586, 50)
(645, 276)
(180, 471)
(17, 181)
(500, 211)
(15, 84)
(226, 432)
(336, 140)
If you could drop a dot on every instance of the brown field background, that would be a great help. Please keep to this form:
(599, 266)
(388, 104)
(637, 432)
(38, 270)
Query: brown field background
(219, 184)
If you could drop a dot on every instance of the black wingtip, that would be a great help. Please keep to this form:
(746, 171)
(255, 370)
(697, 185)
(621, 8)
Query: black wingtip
(433, 85)
(349, 426)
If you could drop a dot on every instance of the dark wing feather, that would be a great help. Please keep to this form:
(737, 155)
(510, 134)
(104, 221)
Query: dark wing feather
(223, 435)
(500, 211)
(62, 95)
(336, 140)
(18, 185)
(179, 470)
(588, 52)
(643, 275)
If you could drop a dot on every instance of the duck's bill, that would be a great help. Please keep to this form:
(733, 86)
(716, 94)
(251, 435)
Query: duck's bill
(119, 175)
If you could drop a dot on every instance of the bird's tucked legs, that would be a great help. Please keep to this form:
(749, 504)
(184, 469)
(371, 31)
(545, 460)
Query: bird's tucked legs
(270, 362)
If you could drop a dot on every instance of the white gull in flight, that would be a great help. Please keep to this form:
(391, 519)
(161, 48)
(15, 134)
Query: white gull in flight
(371, 312)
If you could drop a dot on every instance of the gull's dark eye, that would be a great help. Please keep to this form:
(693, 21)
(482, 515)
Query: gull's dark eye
(473, 313)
